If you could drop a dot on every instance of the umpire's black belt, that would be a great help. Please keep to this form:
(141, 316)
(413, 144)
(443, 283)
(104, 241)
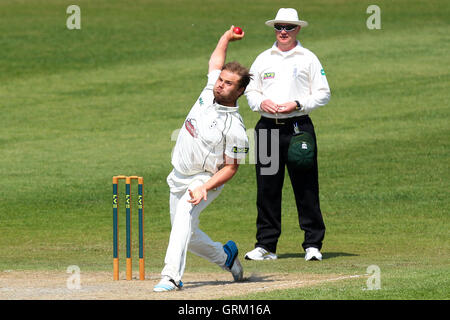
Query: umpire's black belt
(285, 121)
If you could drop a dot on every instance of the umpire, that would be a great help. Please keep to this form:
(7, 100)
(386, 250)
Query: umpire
(289, 82)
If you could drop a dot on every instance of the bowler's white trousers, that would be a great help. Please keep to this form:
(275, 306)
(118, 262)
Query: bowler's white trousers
(185, 234)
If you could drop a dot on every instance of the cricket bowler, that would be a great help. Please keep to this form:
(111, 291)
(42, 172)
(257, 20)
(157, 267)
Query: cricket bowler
(209, 146)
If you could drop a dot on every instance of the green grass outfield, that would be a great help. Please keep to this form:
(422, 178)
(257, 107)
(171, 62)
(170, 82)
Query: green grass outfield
(79, 106)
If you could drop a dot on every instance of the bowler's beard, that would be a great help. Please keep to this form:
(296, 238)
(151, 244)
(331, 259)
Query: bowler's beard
(224, 100)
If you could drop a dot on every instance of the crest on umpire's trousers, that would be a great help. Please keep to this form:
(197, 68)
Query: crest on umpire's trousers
(301, 150)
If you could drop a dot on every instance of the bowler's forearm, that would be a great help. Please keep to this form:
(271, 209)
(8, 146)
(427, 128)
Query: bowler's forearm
(217, 59)
(221, 176)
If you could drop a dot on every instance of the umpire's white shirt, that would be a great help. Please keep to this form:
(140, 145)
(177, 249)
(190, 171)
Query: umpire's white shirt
(209, 131)
(288, 76)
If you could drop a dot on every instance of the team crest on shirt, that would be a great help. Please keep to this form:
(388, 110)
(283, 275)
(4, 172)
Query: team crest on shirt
(189, 124)
(269, 75)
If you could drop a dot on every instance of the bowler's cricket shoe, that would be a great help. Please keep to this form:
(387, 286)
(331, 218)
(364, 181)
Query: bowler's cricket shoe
(313, 254)
(260, 254)
(167, 284)
(233, 264)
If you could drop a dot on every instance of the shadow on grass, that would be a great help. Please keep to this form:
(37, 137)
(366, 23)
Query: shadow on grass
(325, 255)
(251, 278)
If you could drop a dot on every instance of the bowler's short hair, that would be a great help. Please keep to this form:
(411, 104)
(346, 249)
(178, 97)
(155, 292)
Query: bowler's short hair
(243, 72)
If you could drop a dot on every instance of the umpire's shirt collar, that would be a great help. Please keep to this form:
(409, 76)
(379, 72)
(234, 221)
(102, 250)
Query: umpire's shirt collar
(297, 49)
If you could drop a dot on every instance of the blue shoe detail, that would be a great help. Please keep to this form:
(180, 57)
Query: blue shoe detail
(165, 285)
(231, 250)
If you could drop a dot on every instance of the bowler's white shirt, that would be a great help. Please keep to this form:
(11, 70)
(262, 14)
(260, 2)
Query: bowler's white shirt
(209, 131)
(288, 76)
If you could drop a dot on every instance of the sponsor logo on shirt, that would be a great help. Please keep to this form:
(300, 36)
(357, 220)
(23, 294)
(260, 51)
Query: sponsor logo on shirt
(269, 75)
(240, 149)
(189, 124)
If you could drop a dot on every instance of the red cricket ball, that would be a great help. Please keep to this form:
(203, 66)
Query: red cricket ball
(237, 30)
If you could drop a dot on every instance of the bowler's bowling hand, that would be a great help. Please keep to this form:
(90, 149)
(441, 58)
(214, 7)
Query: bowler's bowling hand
(197, 195)
(233, 36)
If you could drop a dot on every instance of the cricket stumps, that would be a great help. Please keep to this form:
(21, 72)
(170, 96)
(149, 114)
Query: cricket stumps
(128, 221)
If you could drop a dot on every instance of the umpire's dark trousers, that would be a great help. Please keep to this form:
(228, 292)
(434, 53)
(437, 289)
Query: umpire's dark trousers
(270, 184)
